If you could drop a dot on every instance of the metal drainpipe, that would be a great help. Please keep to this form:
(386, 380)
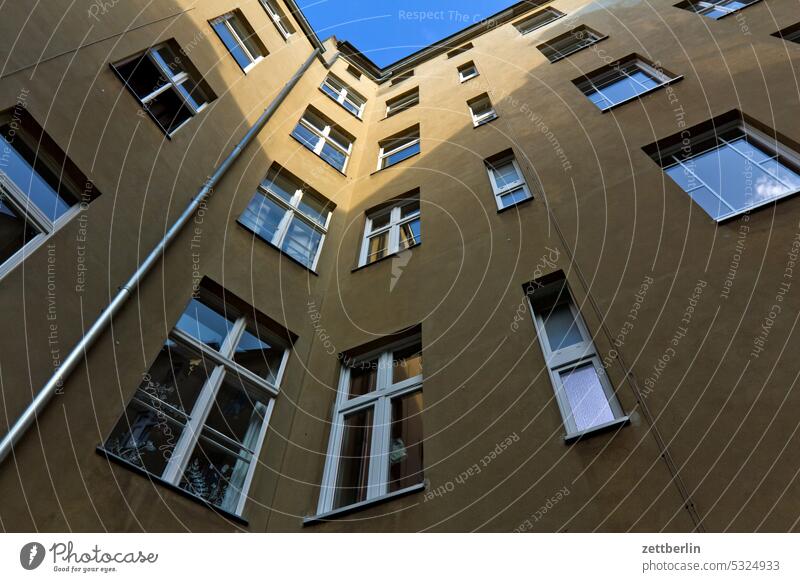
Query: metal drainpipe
(77, 353)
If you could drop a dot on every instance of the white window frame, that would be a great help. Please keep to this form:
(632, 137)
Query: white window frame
(380, 399)
(174, 82)
(384, 154)
(521, 24)
(224, 365)
(277, 16)
(344, 94)
(405, 101)
(462, 71)
(324, 137)
(226, 18)
(705, 6)
(595, 82)
(502, 191)
(28, 211)
(292, 210)
(768, 145)
(396, 221)
(485, 117)
(572, 357)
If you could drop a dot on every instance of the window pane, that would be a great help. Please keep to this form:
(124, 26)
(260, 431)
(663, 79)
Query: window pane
(409, 209)
(587, 399)
(175, 378)
(307, 137)
(314, 207)
(258, 356)
(405, 446)
(353, 474)
(204, 324)
(216, 473)
(506, 175)
(740, 182)
(14, 231)
(410, 234)
(238, 414)
(247, 37)
(232, 44)
(27, 170)
(302, 242)
(352, 107)
(263, 216)
(363, 378)
(169, 110)
(333, 156)
(144, 437)
(561, 328)
(381, 220)
(622, 89)
(142, 76)
(168, 59)
(281, 185)
(513, 197)
(401, 155)
(407, 363)
(330, 91)
(377, 247)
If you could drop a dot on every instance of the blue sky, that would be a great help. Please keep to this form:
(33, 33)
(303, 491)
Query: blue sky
(388, 30)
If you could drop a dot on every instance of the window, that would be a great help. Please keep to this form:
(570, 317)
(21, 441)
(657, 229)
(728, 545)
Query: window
(459, 51)
(791, 34)
(584, 395)
(399, 147)
(320, 136)
(481, 110)
(239, 38)
(538, 20)
(278, 17)
(402, 77)
(344, 95)
(199, 417)
(715, 8)
(166, 85)
(467, 71)
(390, 229)
(401, 102)
(354, 72)
(289, 216)
(622, 82)
(376, 439)
(507, 180)
(570, 42)
(40, 189)
(728, 166)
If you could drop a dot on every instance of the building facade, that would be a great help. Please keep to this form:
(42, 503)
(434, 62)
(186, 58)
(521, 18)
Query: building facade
(579, 215)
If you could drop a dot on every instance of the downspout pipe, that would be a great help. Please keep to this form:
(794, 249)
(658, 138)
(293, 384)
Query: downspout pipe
(77, 354)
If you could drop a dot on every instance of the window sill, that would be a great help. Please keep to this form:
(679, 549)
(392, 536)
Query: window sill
(640, 95)
(280, 250)
(153, 479)
(336, 513)
(383, 258)
(601, 428)
(569, 54)
(396, 163)
(305, 147)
